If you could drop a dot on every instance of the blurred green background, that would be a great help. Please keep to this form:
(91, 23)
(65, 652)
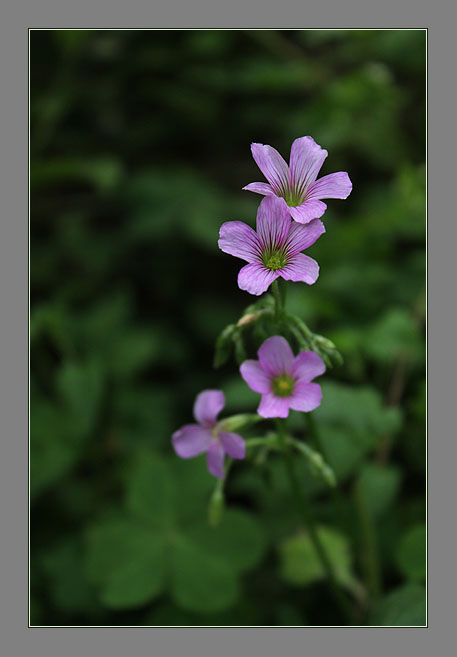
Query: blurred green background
(140, 145)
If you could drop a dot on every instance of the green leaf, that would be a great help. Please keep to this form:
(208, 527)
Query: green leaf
(150, 491)
(395, 335)
(104, 173)
(80, 385)
(223, 346)
(342, 450)
(194, 486)
(379, 485)
(238, 539)
(126, 561)
(54, 449)
(358, 408)
(134, 350)
(404, 607)
(411, 553)
(201, 581)
(300, 564)
(70, 590)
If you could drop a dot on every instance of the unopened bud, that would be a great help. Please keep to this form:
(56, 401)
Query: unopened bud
(247, 319)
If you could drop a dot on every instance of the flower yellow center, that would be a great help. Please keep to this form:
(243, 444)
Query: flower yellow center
(275, 261)
(292, 198)
(283, 385)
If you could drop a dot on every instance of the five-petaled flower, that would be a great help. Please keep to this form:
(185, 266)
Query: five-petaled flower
(208, 435)
(297, 183)
(274, 250)
(284, 381)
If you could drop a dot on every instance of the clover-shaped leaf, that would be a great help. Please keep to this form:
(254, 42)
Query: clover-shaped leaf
(161, 542)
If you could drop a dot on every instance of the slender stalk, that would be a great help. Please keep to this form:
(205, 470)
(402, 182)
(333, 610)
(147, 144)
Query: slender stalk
(277, 297)
(283, 289)
(370, 560)
(308, 520)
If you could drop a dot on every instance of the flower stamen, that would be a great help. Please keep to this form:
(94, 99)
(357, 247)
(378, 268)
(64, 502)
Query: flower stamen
(275, 261)
(283, 385)
(293, 198)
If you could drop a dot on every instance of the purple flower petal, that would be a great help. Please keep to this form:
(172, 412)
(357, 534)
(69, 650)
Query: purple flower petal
(273, 167)
(306, 366)
(191, 440)
(255, 376)
(335, 185)
(300, 268)
(306, 160)
(233, 445)
(240, 240)
(273, 222)
(272, 406)
(215, 459)
(259, 188)
(276, 356)
(255, 278)
(207, 406)
(301, 236)
(308, 211)
(305, 397)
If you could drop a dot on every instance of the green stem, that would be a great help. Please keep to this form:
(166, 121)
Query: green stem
(308, 520)
(283, 287)
(277, 297)
(370, 560)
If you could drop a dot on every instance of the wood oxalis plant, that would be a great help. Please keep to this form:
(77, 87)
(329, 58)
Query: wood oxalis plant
(288, 222)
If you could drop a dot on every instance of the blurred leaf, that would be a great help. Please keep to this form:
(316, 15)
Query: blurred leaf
(70, 589)
(201, 581)
(358, 408)
(54, 450)
(143, 415)
(132, 559)
(300, 564)
(395, 335)
(342, 450)
(405, 607)
(80, 385)
(127, 560)
(411, 553)
(149, 481)
(132, 352)
(104, 173)
(238, 539)
(380, 485)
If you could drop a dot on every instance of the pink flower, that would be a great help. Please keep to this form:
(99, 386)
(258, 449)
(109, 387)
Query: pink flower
(208, 436)
(274, 250)
(297, 183)
(284, 381)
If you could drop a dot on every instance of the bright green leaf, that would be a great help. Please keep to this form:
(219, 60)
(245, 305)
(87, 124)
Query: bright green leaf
(300, 564)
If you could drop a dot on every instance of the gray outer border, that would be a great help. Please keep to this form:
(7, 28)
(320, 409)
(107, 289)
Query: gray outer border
(17, 639)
